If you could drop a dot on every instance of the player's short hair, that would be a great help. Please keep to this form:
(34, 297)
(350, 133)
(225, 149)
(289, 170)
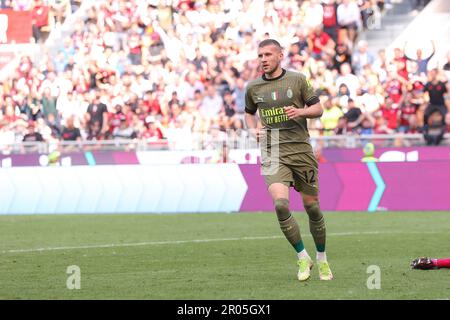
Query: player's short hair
(268, 42)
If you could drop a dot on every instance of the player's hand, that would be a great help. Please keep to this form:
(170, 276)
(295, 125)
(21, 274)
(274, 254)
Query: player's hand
(258, 133)
(423, 263)
(293, 112)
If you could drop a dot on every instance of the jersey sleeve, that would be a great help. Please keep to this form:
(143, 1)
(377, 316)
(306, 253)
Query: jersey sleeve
(309, 96)
(250, 106)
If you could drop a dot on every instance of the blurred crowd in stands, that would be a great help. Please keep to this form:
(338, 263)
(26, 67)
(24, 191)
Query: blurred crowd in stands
(164, 69)
(46, 14)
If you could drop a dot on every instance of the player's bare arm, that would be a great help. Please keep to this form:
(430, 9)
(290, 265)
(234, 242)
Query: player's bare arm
(254, 125)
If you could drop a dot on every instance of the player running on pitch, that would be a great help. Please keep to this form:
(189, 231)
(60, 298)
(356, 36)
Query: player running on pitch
(288, 160)
(430, 263)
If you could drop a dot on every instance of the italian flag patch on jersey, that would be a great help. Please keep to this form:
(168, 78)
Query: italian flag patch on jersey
(274, 95)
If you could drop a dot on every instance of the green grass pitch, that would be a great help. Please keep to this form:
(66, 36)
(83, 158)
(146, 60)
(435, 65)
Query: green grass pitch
(218, 256)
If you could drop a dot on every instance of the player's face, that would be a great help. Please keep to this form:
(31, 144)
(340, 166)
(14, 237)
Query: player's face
(270, 58)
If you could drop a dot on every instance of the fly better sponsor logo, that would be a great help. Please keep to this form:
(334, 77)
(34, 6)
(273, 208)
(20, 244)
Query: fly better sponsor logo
(274, 115)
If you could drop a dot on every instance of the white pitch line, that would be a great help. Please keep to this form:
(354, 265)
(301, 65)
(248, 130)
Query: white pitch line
(137, 244)
(156, 243)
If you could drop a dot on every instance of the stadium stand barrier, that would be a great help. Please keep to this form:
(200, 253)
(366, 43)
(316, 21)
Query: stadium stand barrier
(203, 141)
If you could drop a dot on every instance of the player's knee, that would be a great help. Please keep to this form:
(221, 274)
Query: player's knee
(310, 201)
(310, 204)
(282, 208)
(312, 208)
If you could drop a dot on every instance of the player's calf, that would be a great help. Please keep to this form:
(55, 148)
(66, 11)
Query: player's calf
(291, 231)
(288, 224)
(318, 232)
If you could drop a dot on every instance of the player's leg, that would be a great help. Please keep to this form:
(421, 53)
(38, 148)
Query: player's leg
(306, 182)
(316, 223)
(288, 224)
(290, 228)
(318, 231)
(426, 263)
(442, 263)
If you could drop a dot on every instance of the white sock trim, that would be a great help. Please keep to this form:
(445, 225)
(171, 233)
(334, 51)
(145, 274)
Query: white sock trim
(321, 256)
(303, 254)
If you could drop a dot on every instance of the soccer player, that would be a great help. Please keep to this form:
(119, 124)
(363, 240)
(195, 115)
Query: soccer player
(430, 263)
(287, 156)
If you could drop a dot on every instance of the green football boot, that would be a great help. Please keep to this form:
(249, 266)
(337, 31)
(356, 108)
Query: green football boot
(304, 268)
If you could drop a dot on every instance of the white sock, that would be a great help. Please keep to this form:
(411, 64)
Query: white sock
(303, 254)
(321, 256)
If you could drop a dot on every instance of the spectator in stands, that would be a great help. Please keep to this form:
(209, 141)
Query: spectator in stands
(417, 93)
(342, 56)
(124, 130)
(395, 87)
(353, 116)
(349, 79)
(331, 115)
(152, 103)
(301, 41)
(22, 105)
(380, 65)
(400, 62)
(362, 57)
(152, 132)
(343, 95)
(40, 19)
(32, 135)
(330, 23)
(408, 120)
(435, 90)
(75, 4)
(415, 100)
(70, 132)
(135, 47)
(229, 105)
(36, 112)
(174, 99)
(341, 127)
(53, 124)
(319, 42)
(313, 13)
(367, 124)
(119, 55)
(239, 96)
(48, 103)
(422, 63)
(391, 113)
(94, 132)
(381, 126)
(370, 100)
(212, 103)
(324, 78)
(97, 111)
(349, 19)
(59, 10)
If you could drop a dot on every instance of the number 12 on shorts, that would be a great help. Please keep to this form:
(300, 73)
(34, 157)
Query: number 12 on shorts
(309, 176)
